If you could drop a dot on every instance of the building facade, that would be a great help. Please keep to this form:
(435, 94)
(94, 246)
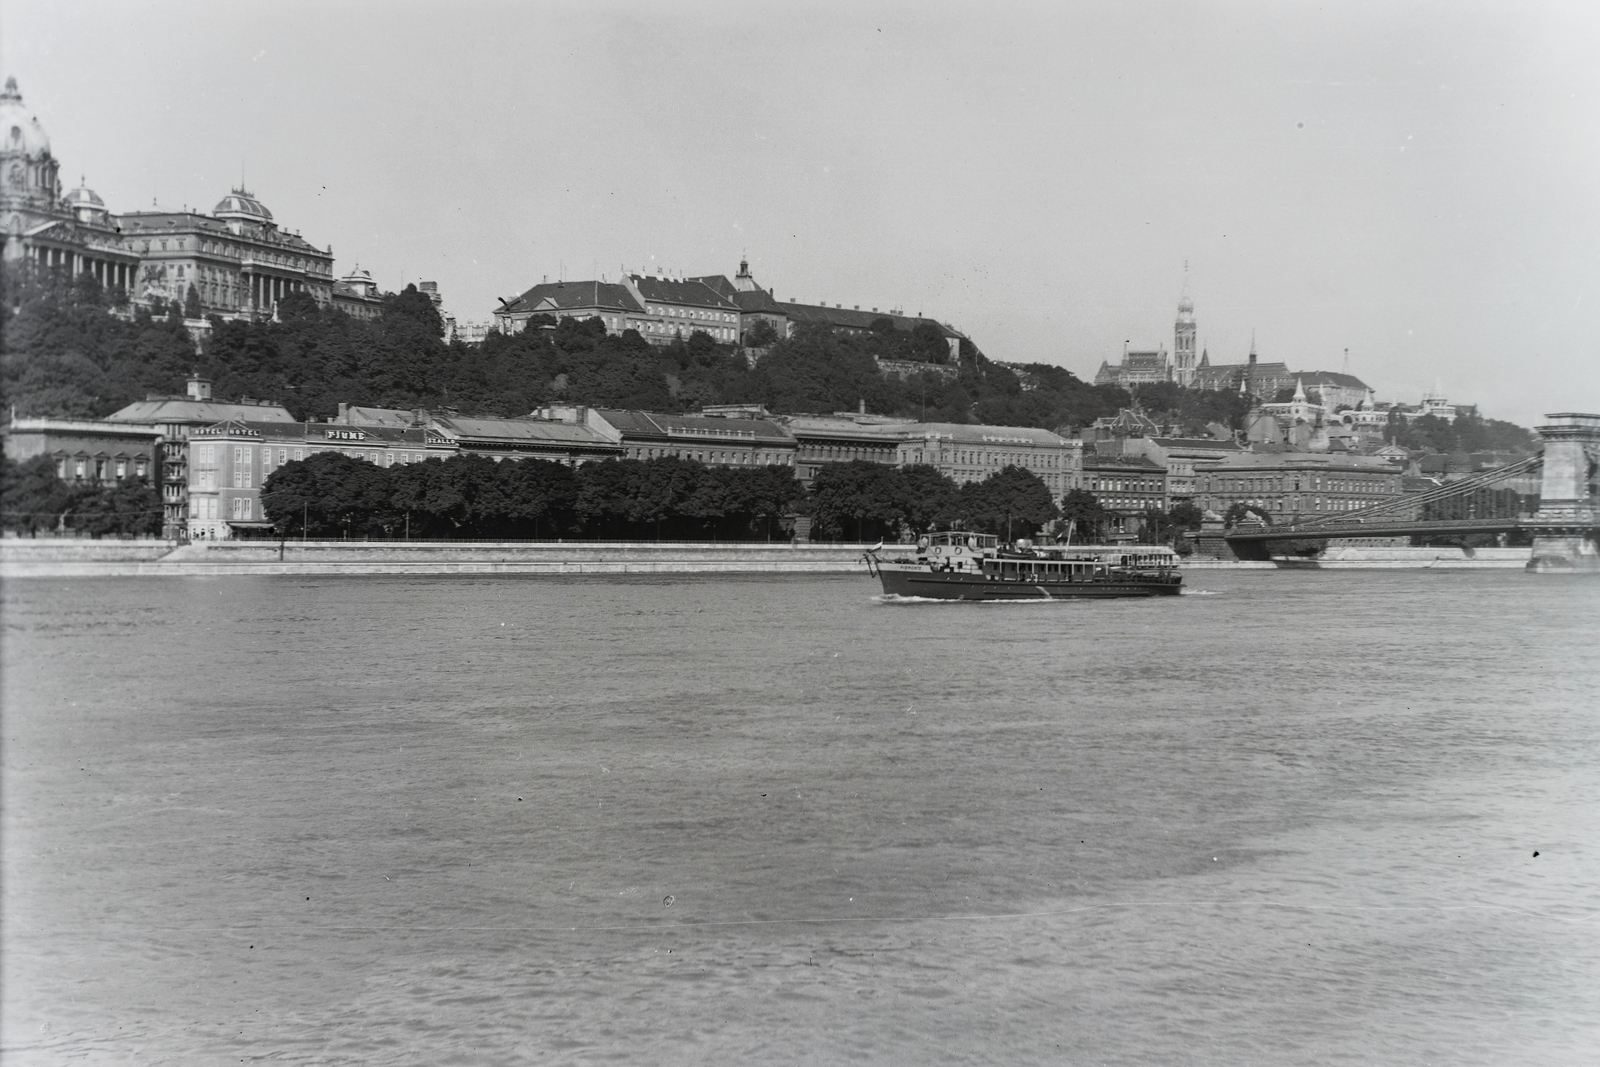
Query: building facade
(231, 461)
(663, 310)
(357, 295)
(1183, 459)
(176, 418)
(1293, 486)
(236, 260)
(1127, 486)
(609, 302)
(713, 440)
(821, 440)
(88, 450)
(970, 453)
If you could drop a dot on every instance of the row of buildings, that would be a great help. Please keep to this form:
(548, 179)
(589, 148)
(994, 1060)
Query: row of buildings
(210, 458)
(663, 310)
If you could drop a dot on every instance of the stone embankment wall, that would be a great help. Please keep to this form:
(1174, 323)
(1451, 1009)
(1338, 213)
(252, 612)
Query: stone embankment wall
(22, 558)
(1379, 557)
(19, 558)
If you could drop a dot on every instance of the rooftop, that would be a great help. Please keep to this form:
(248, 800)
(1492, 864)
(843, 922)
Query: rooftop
(692, 292)
(653, 424)
(168, 409)
(549, 297)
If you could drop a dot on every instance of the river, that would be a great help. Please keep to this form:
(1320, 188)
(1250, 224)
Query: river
(1288, 818)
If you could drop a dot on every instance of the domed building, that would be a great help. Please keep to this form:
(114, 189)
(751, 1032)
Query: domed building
(237, 262)
(73, 233)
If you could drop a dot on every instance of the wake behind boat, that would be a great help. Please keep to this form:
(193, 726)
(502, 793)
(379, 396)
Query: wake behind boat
(957, 565)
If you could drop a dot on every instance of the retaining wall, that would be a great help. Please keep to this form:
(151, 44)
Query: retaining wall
(442, 557)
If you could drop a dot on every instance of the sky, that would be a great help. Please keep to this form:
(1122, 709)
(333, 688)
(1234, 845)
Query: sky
(1410, 191)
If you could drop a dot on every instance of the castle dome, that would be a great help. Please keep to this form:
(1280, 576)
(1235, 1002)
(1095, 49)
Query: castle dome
(239, 204)
(83, 196)
(20, 131)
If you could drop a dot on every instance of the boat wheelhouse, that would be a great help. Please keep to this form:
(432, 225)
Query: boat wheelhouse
(961, 565)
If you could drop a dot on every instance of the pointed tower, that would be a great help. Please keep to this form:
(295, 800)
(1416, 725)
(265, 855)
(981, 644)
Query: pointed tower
(1183, 365)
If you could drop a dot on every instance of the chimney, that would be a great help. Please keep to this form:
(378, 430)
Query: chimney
(199, 388)
(862, 407)
(344, 413)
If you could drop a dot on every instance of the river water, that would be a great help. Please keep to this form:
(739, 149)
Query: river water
(1288, 819)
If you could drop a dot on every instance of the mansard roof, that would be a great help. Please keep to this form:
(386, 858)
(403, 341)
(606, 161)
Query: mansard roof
(856, 319)
(964, 433)
(573, 296)
(179, 223)
(656, 424)
(483, 431)
(693, 292)
(171, 409)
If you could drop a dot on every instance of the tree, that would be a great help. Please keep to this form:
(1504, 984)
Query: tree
(1012, 500)
(927, 497)
(1087, 516)
(542, 496)
(326, 493)
(32, 498)
(129, 507)
(191, 303)
(415, 307)
(296, 304)
(761, 335)
(855, 499)
(1186, 516)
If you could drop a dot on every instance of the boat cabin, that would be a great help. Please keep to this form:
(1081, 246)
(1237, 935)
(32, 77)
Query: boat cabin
(984, 554)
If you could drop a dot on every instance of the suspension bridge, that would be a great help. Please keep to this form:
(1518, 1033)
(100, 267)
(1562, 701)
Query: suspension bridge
(1552, 497)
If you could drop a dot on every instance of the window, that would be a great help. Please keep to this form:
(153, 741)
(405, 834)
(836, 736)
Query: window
(122, 469)
(61, 468)
(283, 454)
(238, 507)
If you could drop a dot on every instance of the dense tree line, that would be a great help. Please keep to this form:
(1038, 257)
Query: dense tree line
(333, 495)
(865, 501)
(1469, 432)
(33, 499)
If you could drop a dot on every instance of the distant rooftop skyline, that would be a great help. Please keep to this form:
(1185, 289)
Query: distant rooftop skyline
(1415, 188)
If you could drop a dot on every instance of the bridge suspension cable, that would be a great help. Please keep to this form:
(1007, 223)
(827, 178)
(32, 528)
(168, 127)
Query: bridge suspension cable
(1413, 504)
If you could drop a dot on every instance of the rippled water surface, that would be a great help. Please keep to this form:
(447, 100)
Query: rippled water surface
(770, 820)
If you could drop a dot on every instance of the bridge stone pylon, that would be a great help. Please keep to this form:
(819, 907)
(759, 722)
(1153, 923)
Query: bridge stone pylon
(1568, 521)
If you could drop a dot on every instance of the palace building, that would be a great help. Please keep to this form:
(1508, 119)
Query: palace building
(237, 261)
(73, 233)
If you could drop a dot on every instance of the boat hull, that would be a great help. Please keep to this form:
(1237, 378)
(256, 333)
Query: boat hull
(956, 585)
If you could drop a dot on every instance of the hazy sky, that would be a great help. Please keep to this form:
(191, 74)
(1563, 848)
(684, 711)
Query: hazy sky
(1418, 183)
